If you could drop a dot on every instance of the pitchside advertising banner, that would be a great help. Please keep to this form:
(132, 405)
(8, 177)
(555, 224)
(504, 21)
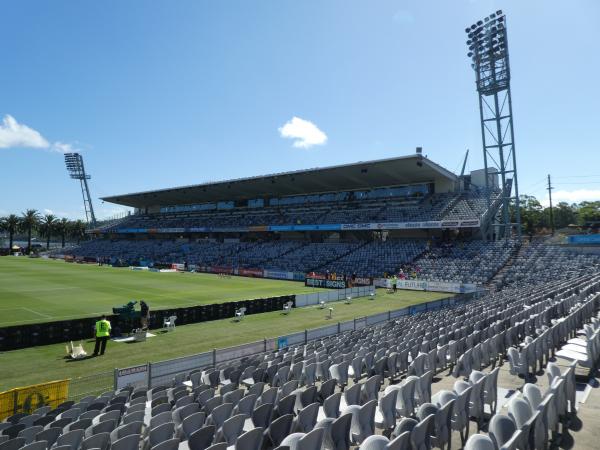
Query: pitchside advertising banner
(592, 239)
(474, 223)
(28, 399)
(256, 273)
(279, 274)
(321, 281)
(424, 285)
(331, 284)
(131, 376)
(411, 225)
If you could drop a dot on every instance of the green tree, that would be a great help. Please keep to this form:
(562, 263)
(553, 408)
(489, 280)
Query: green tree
(10, 224)
(564, 215)
(78, 230)
(589, 212)
(47, 227)
(62, 228)
(532, 213)
(29, 222)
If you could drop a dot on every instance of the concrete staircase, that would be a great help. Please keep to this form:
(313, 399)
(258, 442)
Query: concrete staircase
(496, 280)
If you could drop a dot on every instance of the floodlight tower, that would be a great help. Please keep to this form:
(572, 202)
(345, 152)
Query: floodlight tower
(76, 169)
(488, 50)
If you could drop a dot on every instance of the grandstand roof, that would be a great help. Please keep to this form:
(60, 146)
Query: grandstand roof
(402, 170)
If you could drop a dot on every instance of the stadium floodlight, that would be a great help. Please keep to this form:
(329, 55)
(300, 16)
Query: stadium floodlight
(488, 51)
(76, 169)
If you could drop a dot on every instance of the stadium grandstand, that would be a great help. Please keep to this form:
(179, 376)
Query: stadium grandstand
(478, 338)
(405, 214)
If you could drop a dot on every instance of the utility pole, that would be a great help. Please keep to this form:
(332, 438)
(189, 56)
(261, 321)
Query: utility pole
(550, 198)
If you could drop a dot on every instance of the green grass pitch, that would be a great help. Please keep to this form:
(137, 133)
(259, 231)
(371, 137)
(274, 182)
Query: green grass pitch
(40, 290)
(46, 363)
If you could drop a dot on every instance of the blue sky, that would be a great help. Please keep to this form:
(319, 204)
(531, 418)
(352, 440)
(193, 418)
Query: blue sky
(160, 93)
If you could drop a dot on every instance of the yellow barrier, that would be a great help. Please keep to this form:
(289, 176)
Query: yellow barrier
(27, 399)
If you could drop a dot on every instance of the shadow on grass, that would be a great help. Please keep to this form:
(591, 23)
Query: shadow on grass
(68, 359)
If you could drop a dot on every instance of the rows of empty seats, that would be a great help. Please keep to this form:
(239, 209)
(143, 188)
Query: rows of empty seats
(373, 387)
(126, 249)
(471, 205)
(465, 205)
(376, 258)
(470, 261)
(467, 262)
(540, 261)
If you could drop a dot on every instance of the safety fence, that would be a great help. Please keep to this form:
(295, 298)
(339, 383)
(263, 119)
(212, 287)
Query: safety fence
(96, 384)
(163, 372)
(27, 399)
(333, 295)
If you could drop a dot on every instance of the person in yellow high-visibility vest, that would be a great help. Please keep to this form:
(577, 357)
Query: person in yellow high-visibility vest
(102, 335)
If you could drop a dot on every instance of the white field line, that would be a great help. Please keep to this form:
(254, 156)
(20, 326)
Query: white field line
(46, 316)
(61, 288)
(74, 316)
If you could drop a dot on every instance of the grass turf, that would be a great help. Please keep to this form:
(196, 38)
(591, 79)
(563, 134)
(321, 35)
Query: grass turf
(40, 290)
(40, 364)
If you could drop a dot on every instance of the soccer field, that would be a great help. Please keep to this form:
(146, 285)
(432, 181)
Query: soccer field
(45, 363)
(41, 290)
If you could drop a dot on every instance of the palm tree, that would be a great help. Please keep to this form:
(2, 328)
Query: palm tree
(11, 225)
(47, 226)
(78, 230)
(62, 227)
(29, 222)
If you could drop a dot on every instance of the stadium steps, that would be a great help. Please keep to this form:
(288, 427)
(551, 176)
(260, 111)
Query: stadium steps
(265, 262)
(227, 259)
(449, 207)
(496, 280)
(321, 266)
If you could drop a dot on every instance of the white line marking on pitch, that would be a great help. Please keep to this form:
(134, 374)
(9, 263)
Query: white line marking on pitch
(46, 316)
(44, 289)
(77, 316)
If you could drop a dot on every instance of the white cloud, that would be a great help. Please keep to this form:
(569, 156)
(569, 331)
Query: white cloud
(61, 147)
(574, 196)
(15, 134)
(304, 132)
(48, 211)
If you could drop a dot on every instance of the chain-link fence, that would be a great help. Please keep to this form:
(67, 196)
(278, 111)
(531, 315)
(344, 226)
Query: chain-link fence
(94, 384)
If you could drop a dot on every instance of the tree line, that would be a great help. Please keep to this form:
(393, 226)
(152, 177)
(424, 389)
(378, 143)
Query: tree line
(48, 225)
(535, 217)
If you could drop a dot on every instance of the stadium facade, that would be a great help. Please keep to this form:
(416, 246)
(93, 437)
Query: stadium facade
(406, 215)
(404, 193)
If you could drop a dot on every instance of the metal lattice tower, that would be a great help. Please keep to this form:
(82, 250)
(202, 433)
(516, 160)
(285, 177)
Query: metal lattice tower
(76, 169)
(488, 50)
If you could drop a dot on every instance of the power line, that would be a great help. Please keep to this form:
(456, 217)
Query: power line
(578, 176)
(580, 182)
(530, 186)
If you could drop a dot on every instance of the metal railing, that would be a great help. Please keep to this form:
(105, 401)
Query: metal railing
(109, 221)
(163, 372)
(95, 384)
